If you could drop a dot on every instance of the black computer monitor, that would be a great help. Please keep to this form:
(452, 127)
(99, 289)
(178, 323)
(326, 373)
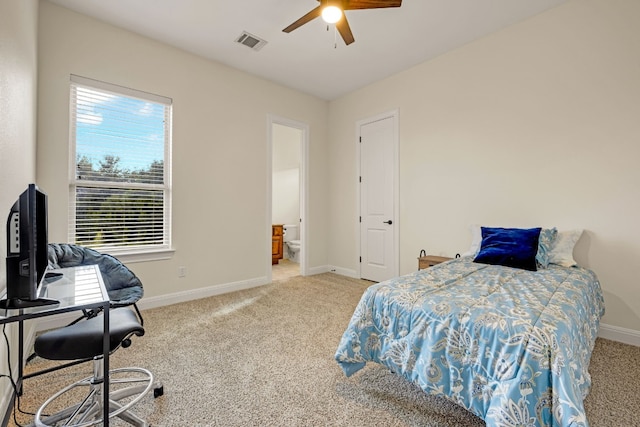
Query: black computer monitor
(27, 257)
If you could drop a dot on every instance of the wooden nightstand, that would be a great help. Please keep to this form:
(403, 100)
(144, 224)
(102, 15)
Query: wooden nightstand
(430, 260)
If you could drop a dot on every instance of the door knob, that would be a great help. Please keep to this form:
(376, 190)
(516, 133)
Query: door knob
(388, 222)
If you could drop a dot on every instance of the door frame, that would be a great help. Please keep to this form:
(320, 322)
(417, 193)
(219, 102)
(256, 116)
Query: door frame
(394, 115)
(304, 189)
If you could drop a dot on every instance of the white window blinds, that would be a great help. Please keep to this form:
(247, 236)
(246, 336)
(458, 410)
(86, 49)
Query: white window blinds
(120, 183)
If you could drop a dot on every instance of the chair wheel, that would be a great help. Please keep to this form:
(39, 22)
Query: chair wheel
(158, 391)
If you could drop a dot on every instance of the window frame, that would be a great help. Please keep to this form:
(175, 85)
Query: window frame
(143, 252)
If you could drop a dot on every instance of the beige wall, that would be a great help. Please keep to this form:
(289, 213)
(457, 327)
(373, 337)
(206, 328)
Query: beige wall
(220, 230)
(18, 79)
(536, 125)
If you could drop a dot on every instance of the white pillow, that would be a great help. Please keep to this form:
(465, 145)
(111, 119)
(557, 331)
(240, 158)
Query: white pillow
(562, 249)
(476, 240)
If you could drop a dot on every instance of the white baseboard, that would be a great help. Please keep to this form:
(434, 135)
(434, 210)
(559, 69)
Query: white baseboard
(318, 270)
(623, 335)
(333, 269)
(174, 298)
(343, 271)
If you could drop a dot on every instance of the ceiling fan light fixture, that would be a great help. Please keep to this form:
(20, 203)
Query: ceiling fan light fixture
(337, 9)
(331, 14)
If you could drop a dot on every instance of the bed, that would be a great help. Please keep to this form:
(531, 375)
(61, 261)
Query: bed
(509, 344)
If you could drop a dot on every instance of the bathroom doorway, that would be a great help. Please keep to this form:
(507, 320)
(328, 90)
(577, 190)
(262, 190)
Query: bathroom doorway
(288, 165)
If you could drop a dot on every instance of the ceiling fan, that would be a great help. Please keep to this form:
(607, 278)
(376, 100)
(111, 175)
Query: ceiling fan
(336, 8)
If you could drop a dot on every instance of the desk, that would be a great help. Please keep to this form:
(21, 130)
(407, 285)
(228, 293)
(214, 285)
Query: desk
(78, 288)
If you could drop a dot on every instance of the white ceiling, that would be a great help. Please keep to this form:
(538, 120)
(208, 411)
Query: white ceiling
(387, 40)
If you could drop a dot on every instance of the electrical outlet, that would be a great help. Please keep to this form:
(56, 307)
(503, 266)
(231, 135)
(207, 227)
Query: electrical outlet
(182, 271)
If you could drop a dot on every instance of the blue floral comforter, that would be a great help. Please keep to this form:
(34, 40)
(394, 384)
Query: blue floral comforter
(511, 346)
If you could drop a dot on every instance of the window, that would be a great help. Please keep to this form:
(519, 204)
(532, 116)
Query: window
(120, 185)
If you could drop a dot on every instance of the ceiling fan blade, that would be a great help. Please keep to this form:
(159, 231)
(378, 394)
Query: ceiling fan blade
(345, 31)
(370, 4)
(306, 18)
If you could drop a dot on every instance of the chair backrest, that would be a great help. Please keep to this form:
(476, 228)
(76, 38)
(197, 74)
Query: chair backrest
(124, 287)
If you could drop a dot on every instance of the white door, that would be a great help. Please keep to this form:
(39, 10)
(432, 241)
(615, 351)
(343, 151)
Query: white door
(378, 225)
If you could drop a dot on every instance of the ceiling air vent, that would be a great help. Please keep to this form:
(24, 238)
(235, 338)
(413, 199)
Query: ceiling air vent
(249, 40)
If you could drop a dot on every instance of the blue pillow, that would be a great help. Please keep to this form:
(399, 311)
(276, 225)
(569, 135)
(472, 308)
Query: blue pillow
(511, 247)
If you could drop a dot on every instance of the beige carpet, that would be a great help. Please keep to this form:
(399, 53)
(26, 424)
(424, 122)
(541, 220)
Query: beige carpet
(264, 357)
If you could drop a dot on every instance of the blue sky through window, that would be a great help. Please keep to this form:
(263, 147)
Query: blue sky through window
(129, 128)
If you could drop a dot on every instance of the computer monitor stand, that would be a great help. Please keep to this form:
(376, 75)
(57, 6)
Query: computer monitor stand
(17, 303)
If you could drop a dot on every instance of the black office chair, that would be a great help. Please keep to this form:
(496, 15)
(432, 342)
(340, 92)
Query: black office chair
(84, 340)
(122, 284)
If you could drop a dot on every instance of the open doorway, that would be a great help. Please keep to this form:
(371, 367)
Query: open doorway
(288, 147)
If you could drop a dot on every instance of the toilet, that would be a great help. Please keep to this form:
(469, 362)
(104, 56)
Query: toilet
(291, 240)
